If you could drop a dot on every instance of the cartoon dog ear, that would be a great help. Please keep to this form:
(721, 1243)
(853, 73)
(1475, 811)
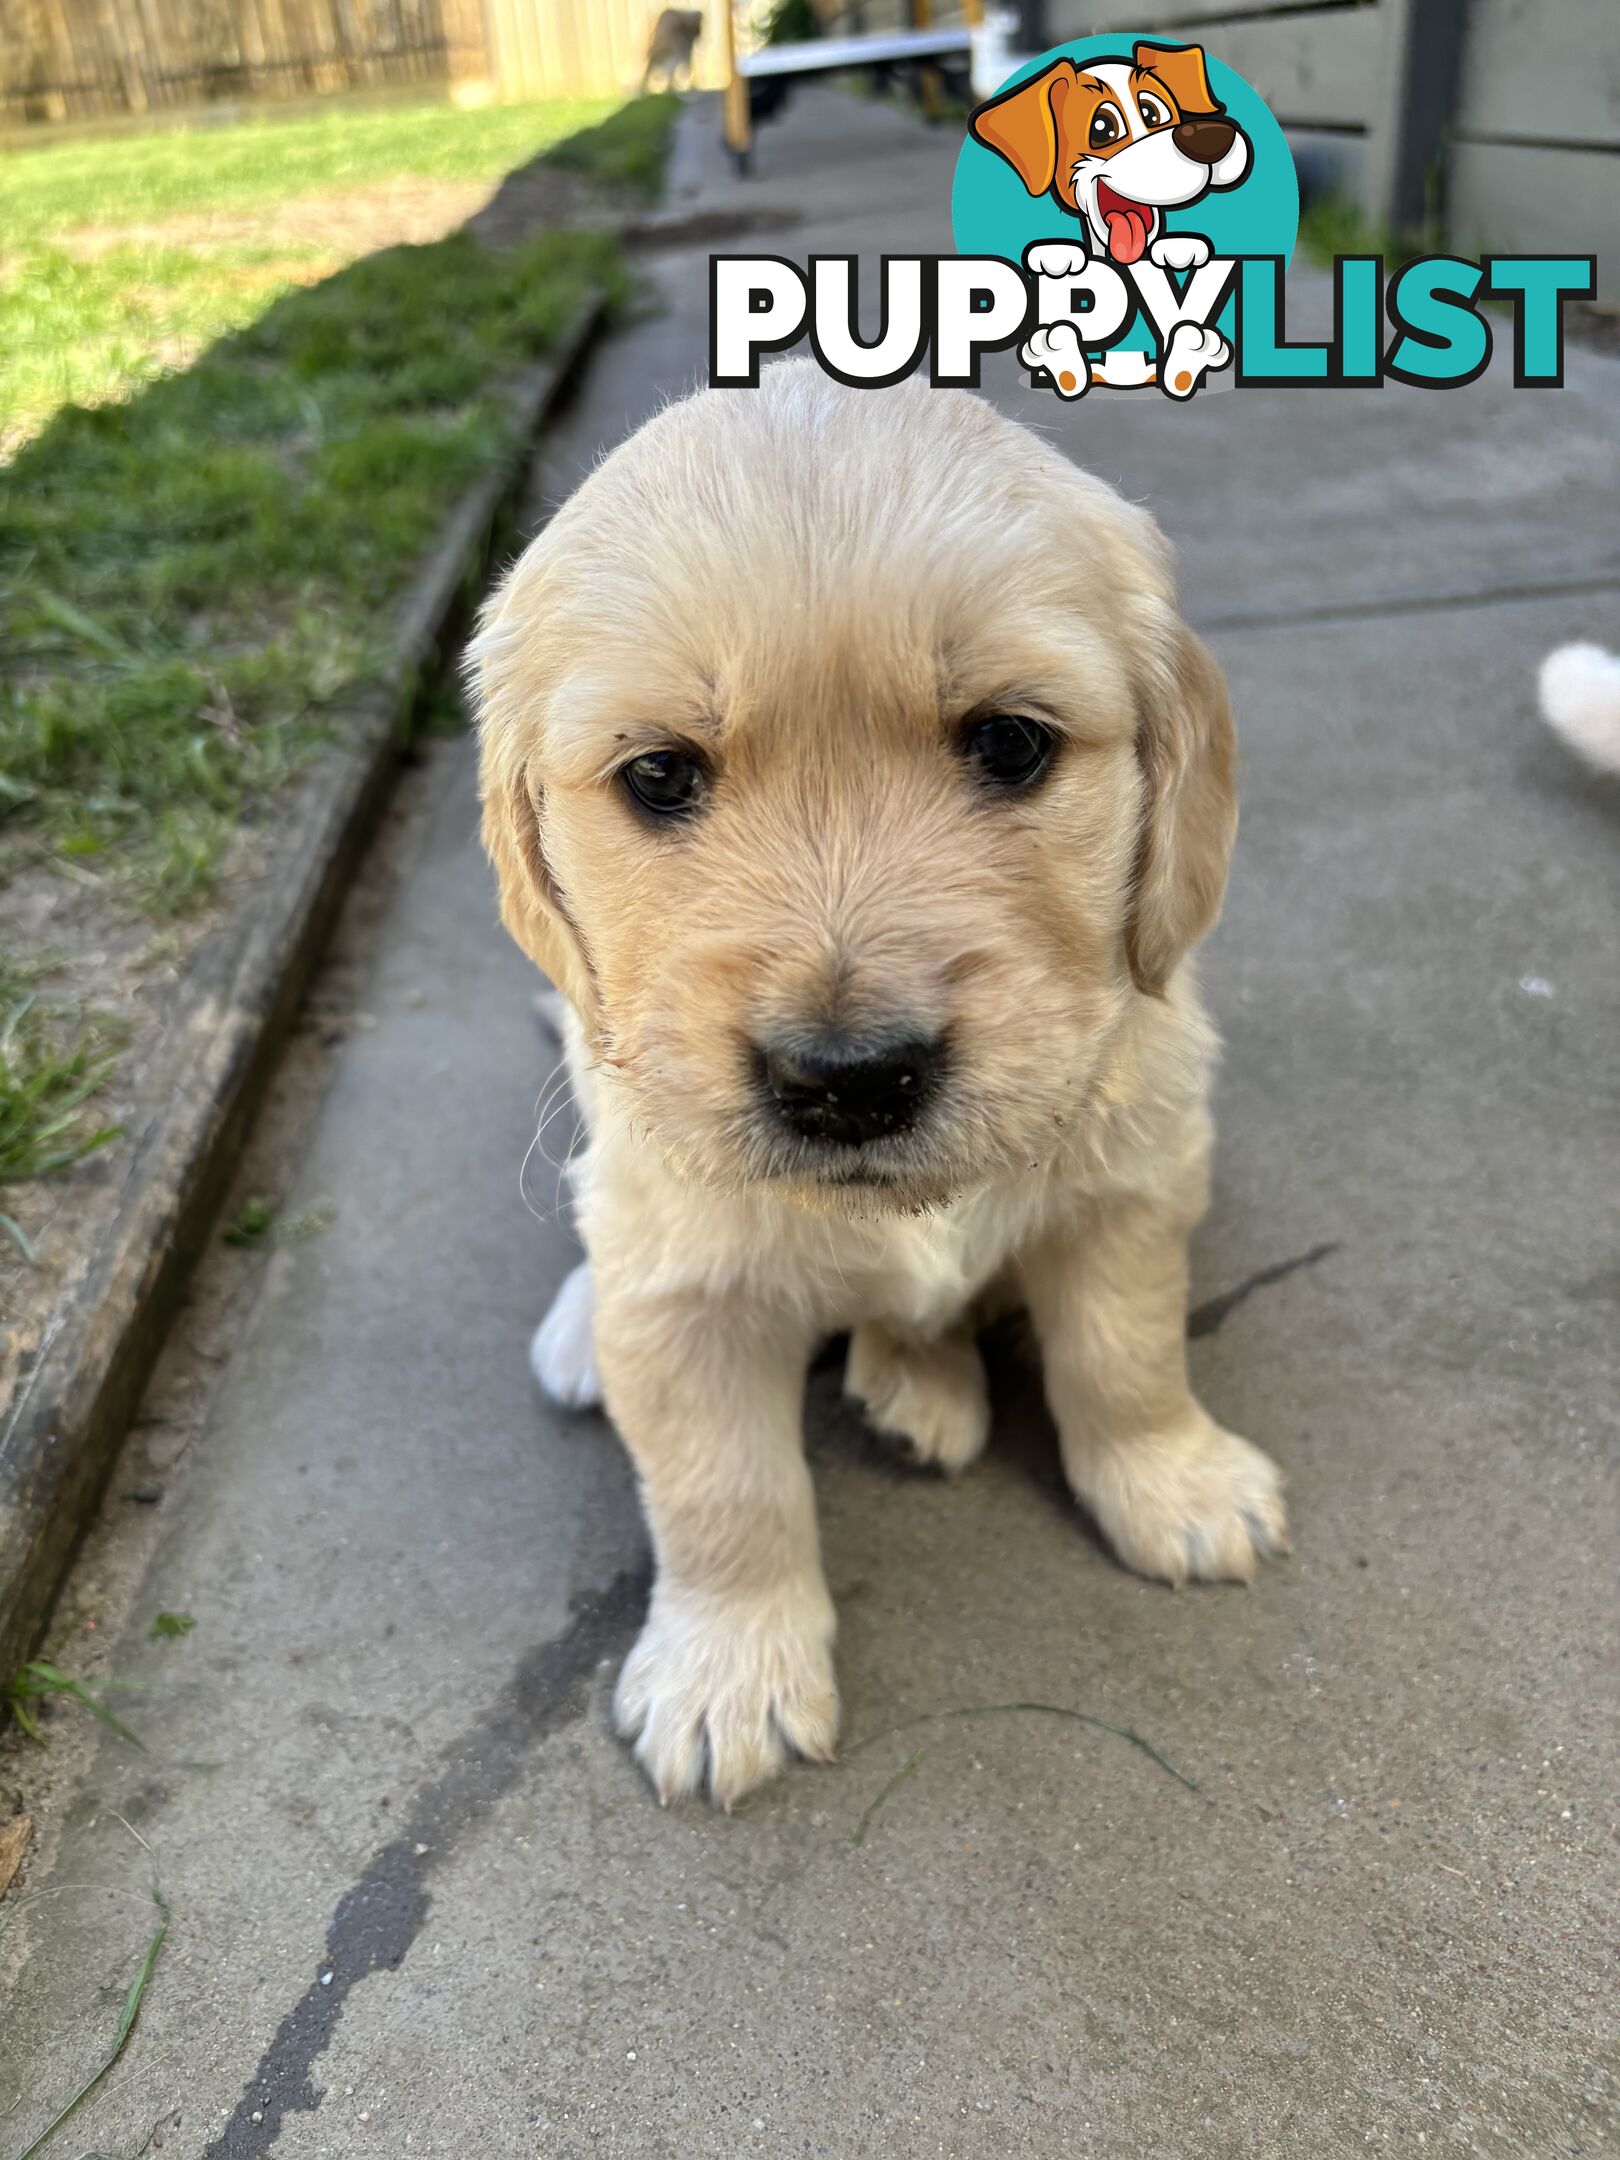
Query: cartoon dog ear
(1022, 125)
(1181, 69)
(1187, 750)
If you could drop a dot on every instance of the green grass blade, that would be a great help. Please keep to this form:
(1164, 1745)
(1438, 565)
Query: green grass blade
(39, 1677)
(66, 1157)
(78, 624)
(14, 1019)
(126, 2025)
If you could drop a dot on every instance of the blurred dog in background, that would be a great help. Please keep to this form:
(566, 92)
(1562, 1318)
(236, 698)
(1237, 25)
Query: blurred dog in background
(670, 46)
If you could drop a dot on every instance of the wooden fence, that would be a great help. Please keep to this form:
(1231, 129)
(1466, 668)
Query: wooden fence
(81, 59)
(94, 59)
(88, 59)
(586, 48)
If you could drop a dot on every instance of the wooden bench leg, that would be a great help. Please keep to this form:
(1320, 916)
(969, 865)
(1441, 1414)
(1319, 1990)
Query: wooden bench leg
(738, 121)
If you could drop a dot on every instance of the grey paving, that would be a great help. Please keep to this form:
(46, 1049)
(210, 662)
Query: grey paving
(1384, 1919)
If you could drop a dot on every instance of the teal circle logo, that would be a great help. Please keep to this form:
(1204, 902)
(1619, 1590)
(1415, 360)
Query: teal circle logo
(1137, 152)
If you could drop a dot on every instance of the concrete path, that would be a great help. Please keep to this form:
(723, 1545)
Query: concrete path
(422, 1902)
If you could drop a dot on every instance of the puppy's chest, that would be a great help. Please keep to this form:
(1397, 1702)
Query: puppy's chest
(923, 1273)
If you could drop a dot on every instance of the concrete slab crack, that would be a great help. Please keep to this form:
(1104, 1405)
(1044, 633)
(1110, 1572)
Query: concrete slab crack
(377, 1921)
(1389, 605)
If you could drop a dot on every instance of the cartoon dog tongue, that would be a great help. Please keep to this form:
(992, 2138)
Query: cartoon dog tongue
(1129, 225)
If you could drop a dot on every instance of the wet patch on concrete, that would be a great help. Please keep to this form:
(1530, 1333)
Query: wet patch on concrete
(377, 1921)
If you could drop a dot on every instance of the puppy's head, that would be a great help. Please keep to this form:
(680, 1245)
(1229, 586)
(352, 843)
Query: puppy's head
(845, 763)
(1118, 142)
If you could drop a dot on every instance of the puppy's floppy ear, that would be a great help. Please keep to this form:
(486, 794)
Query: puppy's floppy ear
(1022, 125)
(1181, 69)
(1187, 751)
(533, 907)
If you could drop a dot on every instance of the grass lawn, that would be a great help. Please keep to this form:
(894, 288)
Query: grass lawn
(125, 256)
(47, 1078)
(195, 567)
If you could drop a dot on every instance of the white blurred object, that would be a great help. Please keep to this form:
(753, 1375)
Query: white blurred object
(993, 56)
(1580, 700)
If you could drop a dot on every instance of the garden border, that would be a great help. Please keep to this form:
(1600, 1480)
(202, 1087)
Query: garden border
(208, 1074)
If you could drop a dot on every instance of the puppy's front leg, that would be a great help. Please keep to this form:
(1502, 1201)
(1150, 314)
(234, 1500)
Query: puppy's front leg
(734, 1665)
(1175, 1495)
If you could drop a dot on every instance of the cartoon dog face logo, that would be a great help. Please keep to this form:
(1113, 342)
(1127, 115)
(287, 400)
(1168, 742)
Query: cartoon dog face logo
(1118, 143)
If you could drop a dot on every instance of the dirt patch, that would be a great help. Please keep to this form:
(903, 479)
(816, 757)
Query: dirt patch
(125, 970)
(545, 198)
(357, 222)
(384, 213)
(705, 228)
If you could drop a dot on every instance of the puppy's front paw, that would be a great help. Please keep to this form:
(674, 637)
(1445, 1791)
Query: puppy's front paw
(719, 1689)
(930, 1393)
(1193, 1502)
(1180, 251)
(562, 1354)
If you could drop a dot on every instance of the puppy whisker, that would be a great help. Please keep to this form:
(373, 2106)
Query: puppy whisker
(555, 1092)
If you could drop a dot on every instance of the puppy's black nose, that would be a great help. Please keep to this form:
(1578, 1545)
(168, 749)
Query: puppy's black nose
(1207, 140)
(849, 1089)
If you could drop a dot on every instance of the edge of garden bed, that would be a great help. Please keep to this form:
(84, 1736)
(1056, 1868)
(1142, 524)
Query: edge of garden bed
(208, 1073)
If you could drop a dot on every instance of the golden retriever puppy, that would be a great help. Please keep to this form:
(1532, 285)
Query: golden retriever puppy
(846, 765)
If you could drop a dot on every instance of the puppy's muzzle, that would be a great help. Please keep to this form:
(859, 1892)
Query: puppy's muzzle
(850, 1090)
(1206, 141)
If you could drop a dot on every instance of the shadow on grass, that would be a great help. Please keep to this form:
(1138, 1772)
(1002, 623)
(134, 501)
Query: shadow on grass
(189, 580)
(194, 581)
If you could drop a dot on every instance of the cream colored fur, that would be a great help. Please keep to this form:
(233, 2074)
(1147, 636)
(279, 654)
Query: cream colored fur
(816, 588)
(1580, 700)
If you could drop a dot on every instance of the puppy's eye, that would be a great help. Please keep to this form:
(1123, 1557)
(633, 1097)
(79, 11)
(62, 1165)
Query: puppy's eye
(666, 782)
(1008, 750)
(1153, 113)
(1106, 127)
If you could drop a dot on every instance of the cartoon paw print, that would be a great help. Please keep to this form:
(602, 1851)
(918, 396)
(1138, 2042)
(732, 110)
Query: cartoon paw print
(1058, 351)
(1191, 353)
(1055, 259)
(1180, 251)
